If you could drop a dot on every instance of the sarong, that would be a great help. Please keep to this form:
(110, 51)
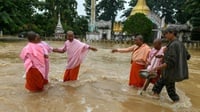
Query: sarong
(135, 79)
(71, 74)
(34, 80)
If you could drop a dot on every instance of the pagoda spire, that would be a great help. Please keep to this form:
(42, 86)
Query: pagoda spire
(59, 28)
(141, 7)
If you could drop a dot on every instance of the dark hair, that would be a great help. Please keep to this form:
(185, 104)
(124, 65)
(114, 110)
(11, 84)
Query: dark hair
(170, 29)
(31, 35)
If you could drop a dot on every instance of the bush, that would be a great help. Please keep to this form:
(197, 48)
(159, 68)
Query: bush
(139, 24)
(195, 34)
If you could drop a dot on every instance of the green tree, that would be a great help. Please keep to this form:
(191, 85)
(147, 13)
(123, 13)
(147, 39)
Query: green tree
(43, 24)
(51, 8)
(108, 9)
(127, 12)
(81, 25)
(23, 15)
(87, 6)
(192, 7)
(171, 9)
(68, 12)
(139, 24)
(105, 9)
(168, 8)
(5, 15)
(15, 14)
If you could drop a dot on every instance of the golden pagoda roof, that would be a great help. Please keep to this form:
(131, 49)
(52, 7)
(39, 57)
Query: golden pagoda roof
(117, 27)
(141, 7)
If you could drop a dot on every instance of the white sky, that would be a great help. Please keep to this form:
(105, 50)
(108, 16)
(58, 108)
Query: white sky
(81, 9)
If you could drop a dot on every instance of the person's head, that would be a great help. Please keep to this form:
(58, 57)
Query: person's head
(157, 43)
(70, 35)
(32, 37)
(138, 40)
(38, 37)
(170, 33)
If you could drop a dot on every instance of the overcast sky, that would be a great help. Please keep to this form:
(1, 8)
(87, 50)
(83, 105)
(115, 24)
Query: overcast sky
(81, 9)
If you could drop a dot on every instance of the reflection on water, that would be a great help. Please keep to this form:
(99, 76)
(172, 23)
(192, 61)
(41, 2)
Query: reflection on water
(102, 85)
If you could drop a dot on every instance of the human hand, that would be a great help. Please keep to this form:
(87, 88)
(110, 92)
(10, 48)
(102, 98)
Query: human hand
(114, 50)
(46, 56)
(94, 49)
(55, 49)
(159, 56)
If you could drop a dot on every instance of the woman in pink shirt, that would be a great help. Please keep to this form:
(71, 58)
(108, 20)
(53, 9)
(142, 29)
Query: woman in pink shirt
(33, 56)
(76, 52)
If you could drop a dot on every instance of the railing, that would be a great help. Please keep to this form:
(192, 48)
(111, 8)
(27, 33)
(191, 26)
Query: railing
(192, 44)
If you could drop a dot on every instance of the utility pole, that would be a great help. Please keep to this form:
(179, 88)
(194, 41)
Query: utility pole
(92, 25)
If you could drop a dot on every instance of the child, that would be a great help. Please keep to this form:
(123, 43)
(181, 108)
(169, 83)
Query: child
(33, 56)
(154, 59)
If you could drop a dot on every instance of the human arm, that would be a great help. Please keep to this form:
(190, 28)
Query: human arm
(124, 50)
(92, 48)
(160, 56)
(148, 62)
(162, 66)
(46, 56)
(62, 49)
(58, 50)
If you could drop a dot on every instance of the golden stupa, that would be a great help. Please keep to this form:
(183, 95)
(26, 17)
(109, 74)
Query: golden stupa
(141, 7)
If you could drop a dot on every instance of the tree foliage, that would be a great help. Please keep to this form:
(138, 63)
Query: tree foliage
(21, 15)
(15, 14)
(67, 10)
(105, 9)
(127, 12)
(171, 9)
(108, 9)
(81, 25)
(192, 7)
(139, 24)
(87, 6)
(42, 17)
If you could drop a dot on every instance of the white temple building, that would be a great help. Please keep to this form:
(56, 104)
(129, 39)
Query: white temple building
(59, 32)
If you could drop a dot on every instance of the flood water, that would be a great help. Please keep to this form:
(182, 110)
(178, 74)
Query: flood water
(102, 85)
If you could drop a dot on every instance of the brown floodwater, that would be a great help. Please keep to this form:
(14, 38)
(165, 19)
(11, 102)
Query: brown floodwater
(102, 85)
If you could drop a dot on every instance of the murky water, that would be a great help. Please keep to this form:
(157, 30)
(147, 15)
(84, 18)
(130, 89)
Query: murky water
(102, 85)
